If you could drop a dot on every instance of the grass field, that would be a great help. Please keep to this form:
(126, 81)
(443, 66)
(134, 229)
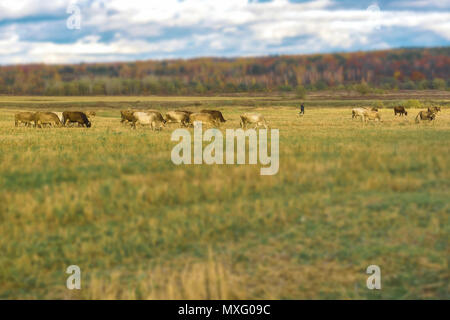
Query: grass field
(109, 200)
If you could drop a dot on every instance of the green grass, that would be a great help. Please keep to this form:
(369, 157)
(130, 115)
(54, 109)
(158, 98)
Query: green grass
(109, 200)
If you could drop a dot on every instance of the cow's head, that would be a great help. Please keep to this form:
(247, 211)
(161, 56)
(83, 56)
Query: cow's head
(88, 124)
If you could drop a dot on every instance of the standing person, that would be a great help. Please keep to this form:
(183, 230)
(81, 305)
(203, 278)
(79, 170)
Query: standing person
(302, 109)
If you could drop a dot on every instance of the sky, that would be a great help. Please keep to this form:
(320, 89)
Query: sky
(68, 31)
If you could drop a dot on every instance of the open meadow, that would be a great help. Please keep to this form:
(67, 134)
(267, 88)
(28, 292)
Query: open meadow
(110, 200)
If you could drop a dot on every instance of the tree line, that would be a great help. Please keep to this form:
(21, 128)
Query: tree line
(413, 69)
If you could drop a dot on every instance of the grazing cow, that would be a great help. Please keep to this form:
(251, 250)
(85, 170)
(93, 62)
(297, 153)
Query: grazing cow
(253, 118)
(177, 117)
(76, 116)
(366, 114)
(204, 118)
(26, 118)
(400, 110)
(127, 116)
(216, 114)
(155, 120)
(425, 115)
(434, 109)
(158, 115)
(43, 118)
(59, 115)
(357, 112)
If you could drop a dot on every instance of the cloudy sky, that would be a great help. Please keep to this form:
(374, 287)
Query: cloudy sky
(121, 30)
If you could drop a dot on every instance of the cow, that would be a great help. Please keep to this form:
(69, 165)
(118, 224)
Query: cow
(356, 114)
(253, 118)
(366, 114)
(400, 110)
(154, 119)
(59, 115)
(204, 118)
(425, 115)
(434, 109)
(216, 114)
(26, 118)
(177, 117)
(76, 116)
(43, 118)
(127, 116)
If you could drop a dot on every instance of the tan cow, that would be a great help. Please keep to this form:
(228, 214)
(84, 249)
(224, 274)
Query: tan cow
(366, 114)
(357, 112)
(253, 118)
(26, 118)
(177, 117)
(155, 120)
(44, 118)
(204, 118)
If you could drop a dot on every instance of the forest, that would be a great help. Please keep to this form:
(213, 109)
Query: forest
(406, 69)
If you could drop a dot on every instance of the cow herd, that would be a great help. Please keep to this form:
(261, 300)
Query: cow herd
(184, 118)
(156, 121)
(367, 113)
(53, 119)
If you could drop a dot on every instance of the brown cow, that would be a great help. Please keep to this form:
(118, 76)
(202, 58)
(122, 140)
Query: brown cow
(434, 109)
(127, 116)
(400, 110)
(205, 118)
(216, 114)
(26, 118)
(43, 118)
(425, 115)
(76, 116)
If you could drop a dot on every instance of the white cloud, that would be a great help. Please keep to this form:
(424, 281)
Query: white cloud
(208, 27)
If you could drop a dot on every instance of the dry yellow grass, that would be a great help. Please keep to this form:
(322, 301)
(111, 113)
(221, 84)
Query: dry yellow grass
(110, 200)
